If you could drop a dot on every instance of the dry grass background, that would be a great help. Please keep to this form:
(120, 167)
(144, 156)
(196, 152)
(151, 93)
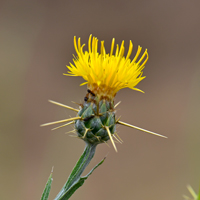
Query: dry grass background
(36, 42)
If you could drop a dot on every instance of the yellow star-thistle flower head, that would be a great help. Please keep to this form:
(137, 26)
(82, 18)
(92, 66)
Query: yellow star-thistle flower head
(107, 73)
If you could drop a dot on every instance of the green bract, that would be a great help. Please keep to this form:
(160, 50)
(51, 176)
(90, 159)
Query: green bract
(95, 117)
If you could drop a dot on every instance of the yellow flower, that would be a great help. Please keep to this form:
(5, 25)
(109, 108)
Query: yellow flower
(106, 74)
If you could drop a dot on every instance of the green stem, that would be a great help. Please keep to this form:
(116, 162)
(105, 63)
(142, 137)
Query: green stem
(75, 175)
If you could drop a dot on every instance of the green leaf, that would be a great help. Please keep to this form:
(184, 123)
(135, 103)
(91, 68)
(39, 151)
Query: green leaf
(198, 198)
(47, 188)
(80, 182)
(74, 178)
(192, 192)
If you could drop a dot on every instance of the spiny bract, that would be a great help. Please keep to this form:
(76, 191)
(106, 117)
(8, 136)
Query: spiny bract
(97, 120)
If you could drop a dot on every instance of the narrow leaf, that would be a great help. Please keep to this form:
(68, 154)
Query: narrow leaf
(192, 192)
(75, 175)
(80, 182)
(47, 188)
(198, 198)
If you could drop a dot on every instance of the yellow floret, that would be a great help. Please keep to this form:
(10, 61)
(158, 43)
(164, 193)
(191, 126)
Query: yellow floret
(106, 74)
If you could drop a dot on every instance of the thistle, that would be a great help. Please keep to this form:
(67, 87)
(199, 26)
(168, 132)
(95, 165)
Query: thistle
(105, 74)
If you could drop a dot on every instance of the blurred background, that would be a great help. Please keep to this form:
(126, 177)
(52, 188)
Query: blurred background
(36, 44)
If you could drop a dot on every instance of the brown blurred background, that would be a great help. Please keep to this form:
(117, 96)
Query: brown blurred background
(36, 42)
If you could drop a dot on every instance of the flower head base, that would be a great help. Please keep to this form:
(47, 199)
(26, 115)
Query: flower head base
(106, 74)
